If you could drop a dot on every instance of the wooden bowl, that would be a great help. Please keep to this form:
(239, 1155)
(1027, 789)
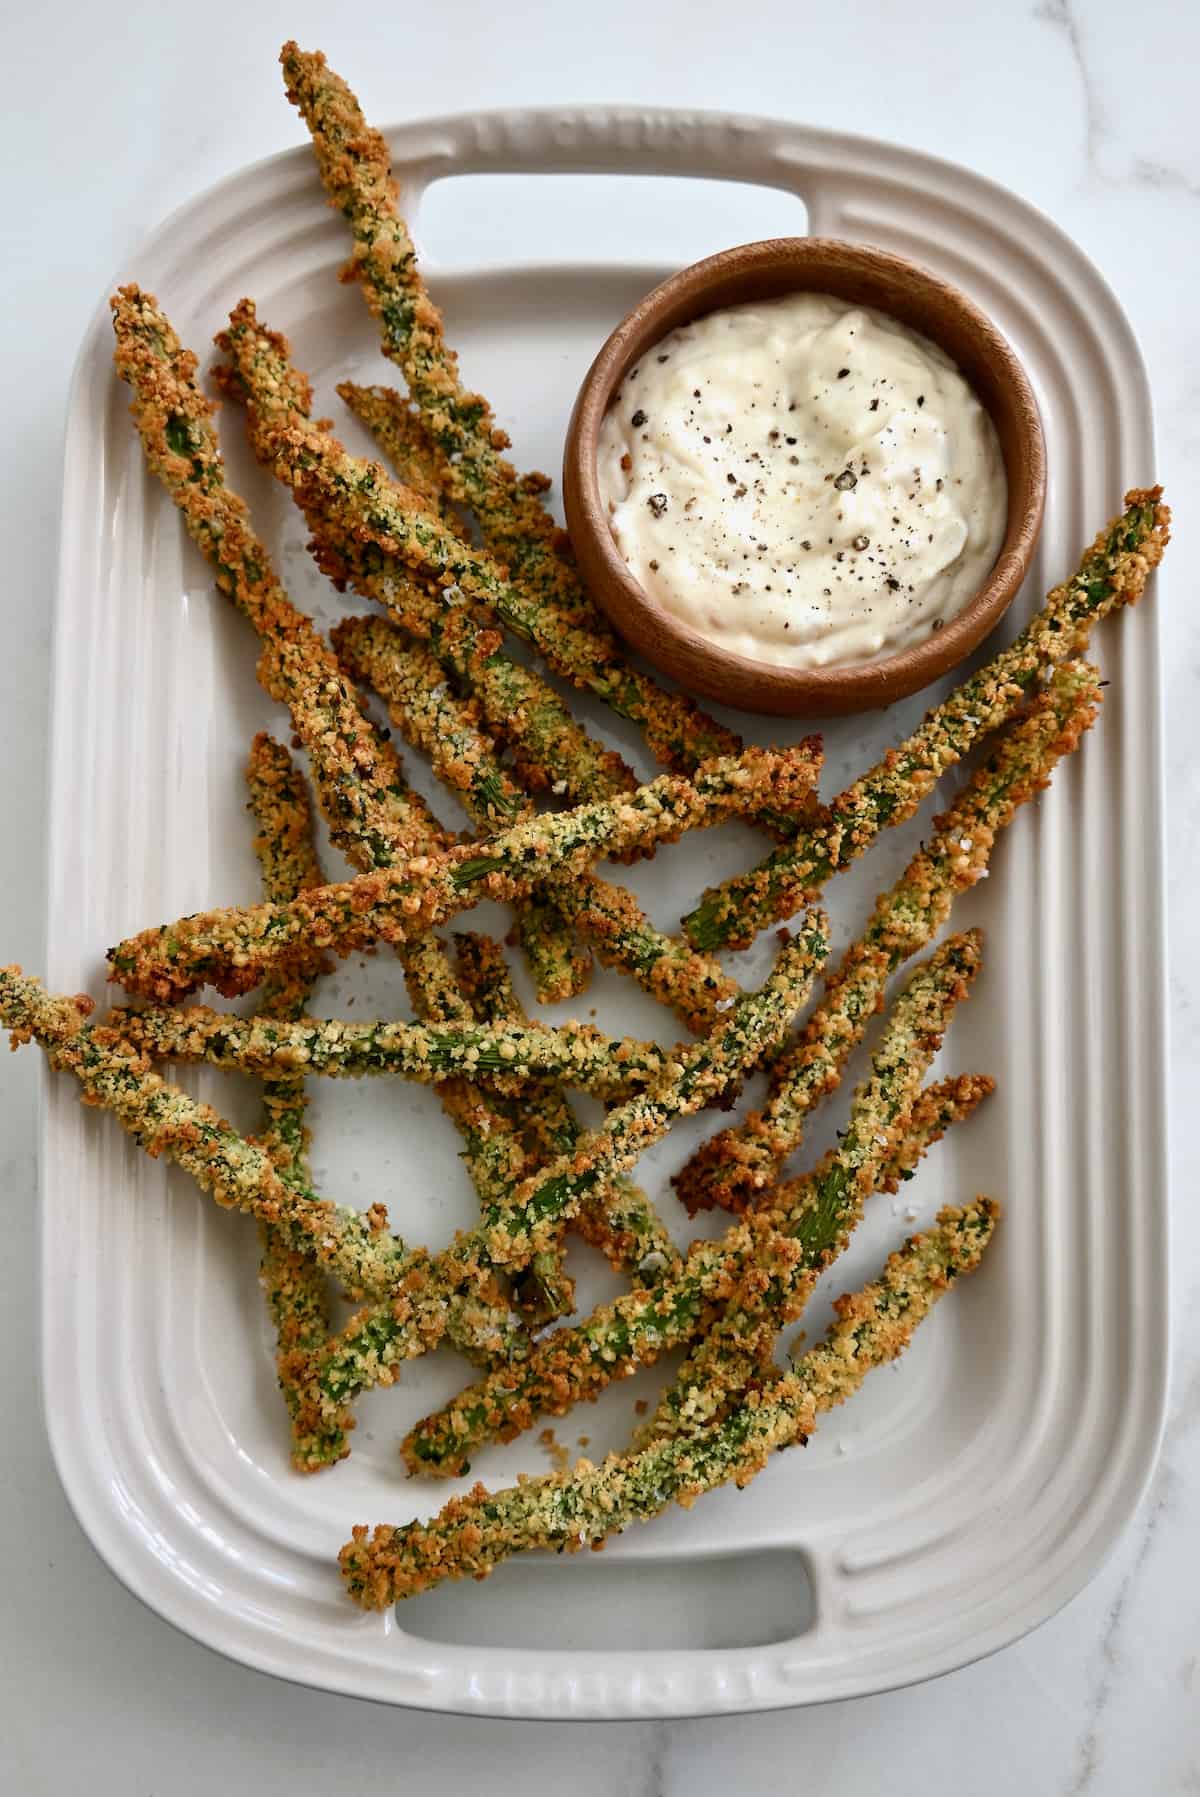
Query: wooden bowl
(862, 276)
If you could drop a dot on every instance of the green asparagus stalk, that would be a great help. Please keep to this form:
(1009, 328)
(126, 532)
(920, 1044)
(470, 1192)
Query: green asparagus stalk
(509, 1053)
(510, 1234)
(355, 1246)
(607, 916)
(1112, 573)
(293, 1280)
(234, 949)
(409, 450)
(734, 1167)
(814, 1224)
(542, 1291)
(555, 611)
(620, 1221)
(577, 1362)
(421, 704)
(551, 746)
(373, 816)
(450, 731)
(473, 1534)
(360, 784)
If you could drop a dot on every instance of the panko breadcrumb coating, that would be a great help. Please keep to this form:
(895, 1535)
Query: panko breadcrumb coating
(608, 916)
(235, 949)
(619, 1220)
(472, 1535)
(292, 1278)
(820, 1218)
(507, 1054)
(555, 611)
(449, 730)
(376, 1341)
(373, 816)
(1113, 573)
(460, 627)
(796, 1232)
(736, 1166)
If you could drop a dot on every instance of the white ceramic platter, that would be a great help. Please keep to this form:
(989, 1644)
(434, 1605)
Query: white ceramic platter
(961, 1498)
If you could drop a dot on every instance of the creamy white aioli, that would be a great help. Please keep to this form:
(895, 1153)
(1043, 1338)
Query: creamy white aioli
(803, 482)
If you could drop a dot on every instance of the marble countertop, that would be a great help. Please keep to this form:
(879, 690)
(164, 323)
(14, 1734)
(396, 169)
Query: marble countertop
(1086, 109)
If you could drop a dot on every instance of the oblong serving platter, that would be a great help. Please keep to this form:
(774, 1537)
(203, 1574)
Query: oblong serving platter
(960, 1500)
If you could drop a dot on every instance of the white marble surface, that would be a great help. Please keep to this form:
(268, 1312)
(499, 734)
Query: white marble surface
(110, 120)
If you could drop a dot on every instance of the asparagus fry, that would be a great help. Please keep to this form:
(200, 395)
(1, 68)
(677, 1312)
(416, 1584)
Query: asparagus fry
(735, 1166)
(239, 1174)
(373, 816)
(552, 746)
(578, 1362)
(511, 1053)
(620, 1221)
(361, 788)
(1112, 573)
(408, 448)
(234, 949)
(450, 731)
(473, 1534)
(821, 1212)
(543, 1290)
(511, 1233)
(355, 169)
(608, 916)
(294, 1282)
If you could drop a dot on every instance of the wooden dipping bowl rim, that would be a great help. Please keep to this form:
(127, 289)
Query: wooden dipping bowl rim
(861, 276)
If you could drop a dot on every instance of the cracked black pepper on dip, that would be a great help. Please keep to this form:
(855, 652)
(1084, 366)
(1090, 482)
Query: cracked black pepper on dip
(803, 482)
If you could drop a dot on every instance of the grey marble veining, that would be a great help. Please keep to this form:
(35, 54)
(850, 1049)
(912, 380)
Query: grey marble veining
(1084, 106)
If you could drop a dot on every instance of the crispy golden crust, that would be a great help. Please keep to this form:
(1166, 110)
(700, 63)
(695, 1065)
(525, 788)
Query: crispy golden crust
(474, 1534)
(796, 1231)
(735, 1167)
(292, 1278)
(380, 1338)
(813, 1226)
(1113, 573)
(608, 916)
(360, 785)
(619, 1219)
(404, 438)
(463, 634)
(505, 1054)
(356, 172)
(235, 949)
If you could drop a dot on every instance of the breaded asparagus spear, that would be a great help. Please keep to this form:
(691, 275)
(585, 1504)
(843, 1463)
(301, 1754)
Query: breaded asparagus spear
(372, 814)
(235, 949)
(510, 1234)
(239, 1174)
(473, 1534)
(432, 716)
(511, 1054)
(813, 1225)
(407, 446)
(293, 1279)
(449, 729)
(734, 1167)
(355, 169)
(1112, 573)
(550, 745)
(542, 1291)
(620, 1221)
(360, 784)
(608, 916)
(578, 1362)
